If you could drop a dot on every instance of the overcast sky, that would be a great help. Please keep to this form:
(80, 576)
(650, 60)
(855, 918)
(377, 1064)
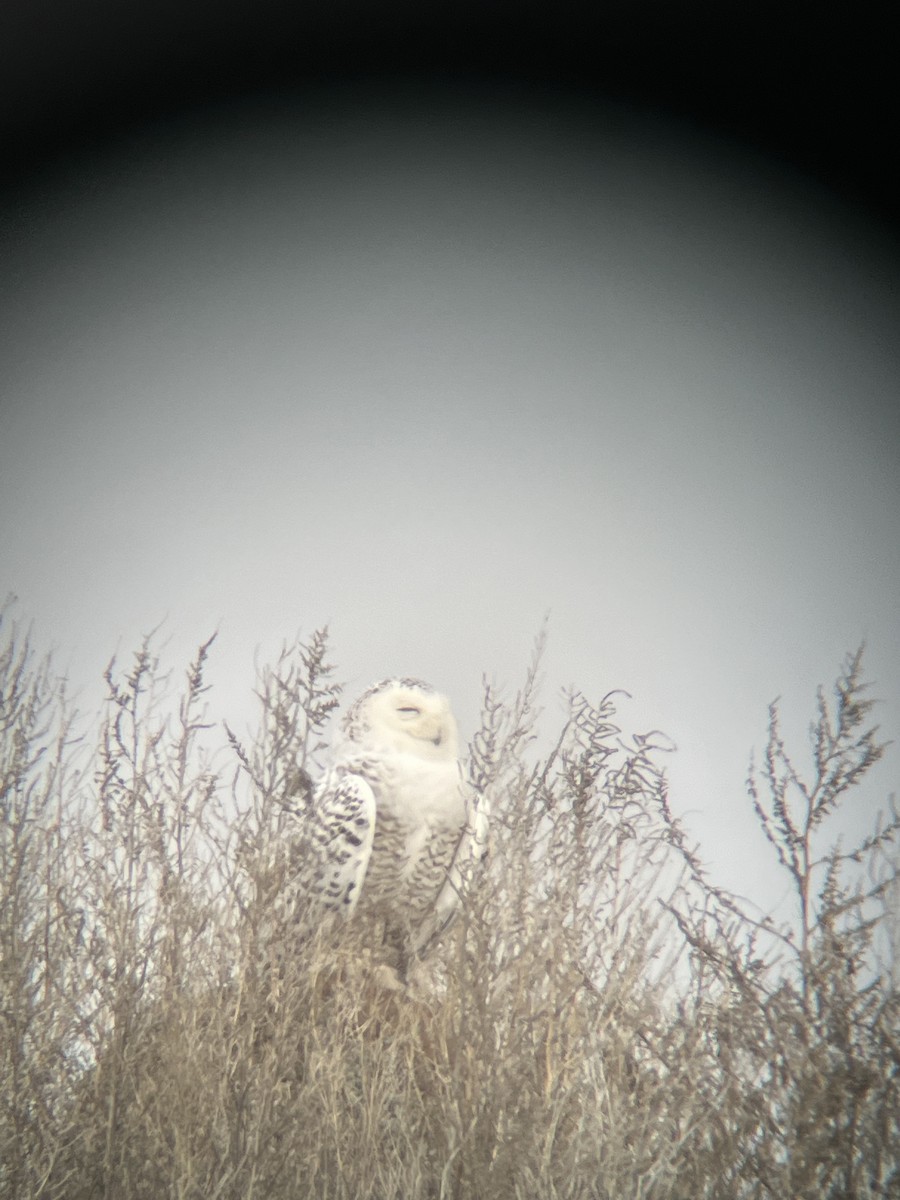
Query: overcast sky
(427, 369)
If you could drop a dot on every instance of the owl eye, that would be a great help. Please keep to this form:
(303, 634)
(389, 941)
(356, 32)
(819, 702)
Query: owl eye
(410, 711)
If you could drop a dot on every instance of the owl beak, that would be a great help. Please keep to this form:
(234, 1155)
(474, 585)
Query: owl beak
(431, 730)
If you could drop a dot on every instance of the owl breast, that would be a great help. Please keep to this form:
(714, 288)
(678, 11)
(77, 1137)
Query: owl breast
(420, 815)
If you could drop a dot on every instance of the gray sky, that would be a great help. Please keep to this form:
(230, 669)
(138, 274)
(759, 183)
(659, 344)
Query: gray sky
(426, 371)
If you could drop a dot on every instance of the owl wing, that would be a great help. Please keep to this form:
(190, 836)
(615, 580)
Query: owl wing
(465, 868)
(342, 829)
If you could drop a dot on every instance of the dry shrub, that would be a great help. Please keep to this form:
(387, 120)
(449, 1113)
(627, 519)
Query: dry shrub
(600, 1021)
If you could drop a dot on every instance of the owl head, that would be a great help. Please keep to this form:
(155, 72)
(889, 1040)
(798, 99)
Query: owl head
(407, 716)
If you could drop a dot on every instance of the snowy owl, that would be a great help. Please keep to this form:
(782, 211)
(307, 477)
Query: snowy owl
(395, 831)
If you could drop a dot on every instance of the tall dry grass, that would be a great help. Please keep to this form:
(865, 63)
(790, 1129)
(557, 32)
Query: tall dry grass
(600, 1022)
